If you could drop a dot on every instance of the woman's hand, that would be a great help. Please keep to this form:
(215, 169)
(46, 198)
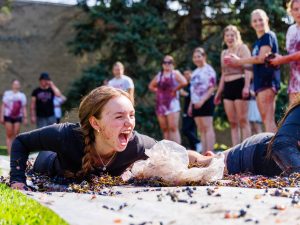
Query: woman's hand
(127, 175)
(19, 186)
(232, 60)
(276, 61)
(173, 93)
(218, 98)
(2, 120)
(245, 92)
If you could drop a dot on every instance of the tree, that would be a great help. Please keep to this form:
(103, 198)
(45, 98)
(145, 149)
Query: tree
(139, 33)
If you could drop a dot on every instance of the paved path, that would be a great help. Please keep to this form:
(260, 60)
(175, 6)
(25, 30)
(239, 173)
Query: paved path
(153, 205)
(205, 205)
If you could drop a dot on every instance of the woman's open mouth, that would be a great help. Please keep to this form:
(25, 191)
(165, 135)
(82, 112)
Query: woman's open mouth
(124, 137)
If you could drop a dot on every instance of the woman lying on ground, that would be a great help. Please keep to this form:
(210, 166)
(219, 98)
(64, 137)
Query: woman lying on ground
(104, 141)
(266, 153)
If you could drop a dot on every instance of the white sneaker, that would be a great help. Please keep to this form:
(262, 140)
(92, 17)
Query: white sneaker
(199, 147)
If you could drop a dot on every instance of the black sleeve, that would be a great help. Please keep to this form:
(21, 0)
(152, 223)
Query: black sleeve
(48, 138)
(33, 94)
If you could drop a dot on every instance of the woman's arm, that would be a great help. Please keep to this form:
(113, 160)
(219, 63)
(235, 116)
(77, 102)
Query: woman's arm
(32, 110)
(153, 84)
(218, 96)
(24, 110)
(234, 60)
(48, 138)
(2, 113)
(279, 59)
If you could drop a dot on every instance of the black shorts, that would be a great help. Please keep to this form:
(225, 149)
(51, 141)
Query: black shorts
(12, 120)
(233, 90)
(207, 109)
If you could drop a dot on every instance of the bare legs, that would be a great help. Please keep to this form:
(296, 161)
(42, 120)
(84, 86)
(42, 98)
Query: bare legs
(207, 133)
(266, 106)
(12, 129)
(237, 114)
(169, 126)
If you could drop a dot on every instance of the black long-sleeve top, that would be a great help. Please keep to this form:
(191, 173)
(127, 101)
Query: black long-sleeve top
(67, 141)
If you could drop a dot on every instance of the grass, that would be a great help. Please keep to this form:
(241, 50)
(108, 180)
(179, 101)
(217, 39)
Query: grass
(3, 150)
(17, 208)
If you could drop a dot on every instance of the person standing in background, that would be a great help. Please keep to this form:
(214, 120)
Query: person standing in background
(234, 85)
(58, 101)
(203, 83)
(42, 107)
(13, 112)
(189, 128)
(293, 48)
(266, 79)
(120, 80)
(253, 114)
(166, 85)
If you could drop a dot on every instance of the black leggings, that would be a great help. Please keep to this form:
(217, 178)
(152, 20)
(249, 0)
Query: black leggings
(47, 163)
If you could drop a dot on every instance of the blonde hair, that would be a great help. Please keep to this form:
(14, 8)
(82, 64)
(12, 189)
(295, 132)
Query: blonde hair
(92, 105)
(118, 63)
(263, 14)
(290, 4)
(235, 30)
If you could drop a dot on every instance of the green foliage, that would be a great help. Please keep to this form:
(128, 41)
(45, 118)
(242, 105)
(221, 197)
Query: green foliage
(5, 7)
(139, 33)
(16, 208)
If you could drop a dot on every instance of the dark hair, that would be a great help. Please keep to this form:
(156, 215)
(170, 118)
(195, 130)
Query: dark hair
(289, 109)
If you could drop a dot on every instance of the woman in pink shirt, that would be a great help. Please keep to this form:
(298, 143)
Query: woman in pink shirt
(166, 85)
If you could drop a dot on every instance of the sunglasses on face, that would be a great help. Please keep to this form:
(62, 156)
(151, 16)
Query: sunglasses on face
(168, 62)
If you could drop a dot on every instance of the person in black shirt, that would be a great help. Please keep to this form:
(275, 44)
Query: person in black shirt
(42, 107)
(266, 153)
(189, 128)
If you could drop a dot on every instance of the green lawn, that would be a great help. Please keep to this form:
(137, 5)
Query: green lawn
(3, 150)
(17, 208)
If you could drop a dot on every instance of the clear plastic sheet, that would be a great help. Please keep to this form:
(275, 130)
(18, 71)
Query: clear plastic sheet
(169, 161)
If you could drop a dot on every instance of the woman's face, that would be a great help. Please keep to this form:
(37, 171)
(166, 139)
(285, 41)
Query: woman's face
(116, 123)
(198, 59)
(230, 38)
(16, 85)
(259, 23)
(168, 64)
(118, 70)
(295, 11)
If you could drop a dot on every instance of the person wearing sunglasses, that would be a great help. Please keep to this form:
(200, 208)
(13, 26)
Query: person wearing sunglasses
(166, 85)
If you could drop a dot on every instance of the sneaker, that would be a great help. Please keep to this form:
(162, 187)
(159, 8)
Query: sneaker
(199, 147)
